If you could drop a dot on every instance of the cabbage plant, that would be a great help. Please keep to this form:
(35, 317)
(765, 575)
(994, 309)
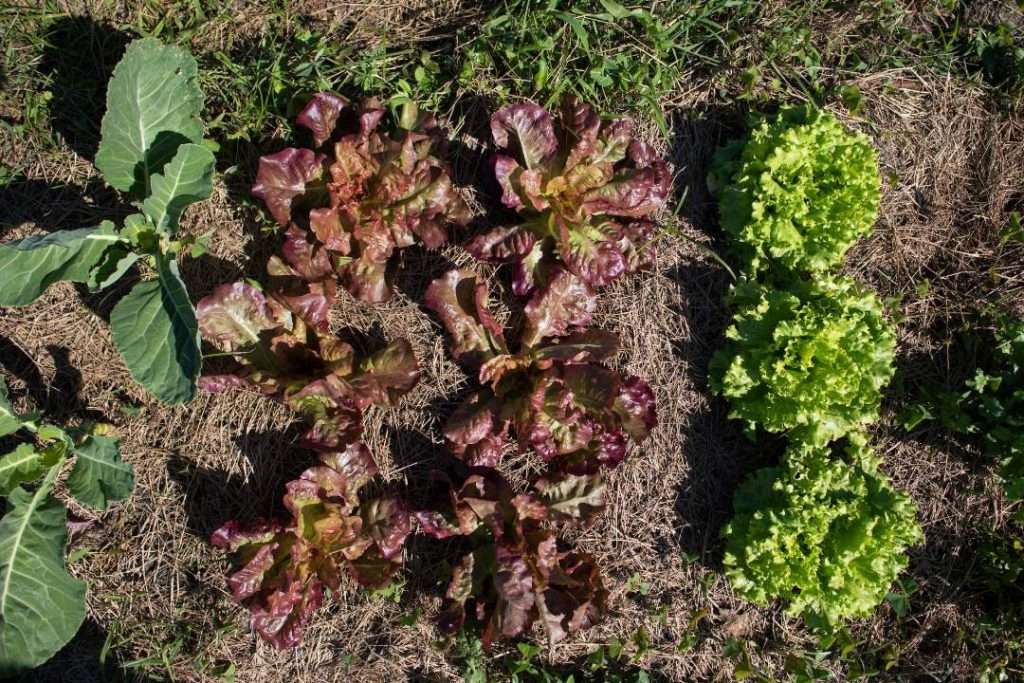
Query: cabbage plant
(357, 194)
(824, 531)
(151, 148)
(41, 604)
(798, 192)
(586, 192)
(813, 356)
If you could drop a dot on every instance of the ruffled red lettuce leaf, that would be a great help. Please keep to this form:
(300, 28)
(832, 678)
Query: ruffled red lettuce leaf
(381, 192)
(284, 568)
(565, 303)
(384, 377)
(236, 316)
(285, 176)
(314, 372)
(528, 132)
(573, 180)
(459, 298)
(476, 433)
(321, 114)
(516, 573)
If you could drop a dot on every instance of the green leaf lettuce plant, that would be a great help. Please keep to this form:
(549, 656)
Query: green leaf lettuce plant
(824, 530)
(150, 149)
(812, 356)
(798, 192)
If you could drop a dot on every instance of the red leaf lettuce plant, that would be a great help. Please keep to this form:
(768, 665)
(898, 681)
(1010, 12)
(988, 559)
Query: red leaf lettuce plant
(586, 191)
(358, 194)
(554, 391)
(516, 571)
(286, 566)
(315, 373)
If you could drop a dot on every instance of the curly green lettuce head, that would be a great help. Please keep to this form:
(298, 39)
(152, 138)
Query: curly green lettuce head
(799, 192)
(813, 356)
(825, 531)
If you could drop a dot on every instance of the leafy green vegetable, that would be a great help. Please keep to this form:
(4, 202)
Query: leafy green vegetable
(814, 356)
(824, 530)
(41, 605)
(798, 192)
(99, 474)
(285, 567)
(149, 148)
(32, 264)
(371, 193)
(159, 309)
(991, 405)
(153, 105)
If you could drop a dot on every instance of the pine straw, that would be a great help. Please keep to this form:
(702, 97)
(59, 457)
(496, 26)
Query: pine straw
(955, 172)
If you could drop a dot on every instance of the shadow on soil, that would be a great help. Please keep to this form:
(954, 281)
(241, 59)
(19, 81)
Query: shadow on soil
(84, 660)
(79, 59)
(58, 399)
(213, 497)
(718, 454)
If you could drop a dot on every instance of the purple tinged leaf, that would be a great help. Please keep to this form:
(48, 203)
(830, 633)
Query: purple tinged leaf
(326, 225)
(235, 315)
(436, 525)
(590, 346)
(386, 522)
(355, 464)
(307, 260)
(386, 376)
(475, 433)
(372, 569)
(591, 255)
(565, 303)
(502, 245)
(283, 617)
(581, 125)
(573, 497)
(284, 176)
(513, 584)
(459, 299)
(634, 193)
(321, 115)
(533, 134)
(215, 384)
(635, 407)
(505, 169)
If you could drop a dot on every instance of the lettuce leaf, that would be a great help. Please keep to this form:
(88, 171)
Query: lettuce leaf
(348, 208)
(585, 190)
(798, 192)
(284, 567)
(824, 531)
(814, 356)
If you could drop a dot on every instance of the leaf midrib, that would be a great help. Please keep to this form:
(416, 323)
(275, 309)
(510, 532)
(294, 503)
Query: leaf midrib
(42, 492)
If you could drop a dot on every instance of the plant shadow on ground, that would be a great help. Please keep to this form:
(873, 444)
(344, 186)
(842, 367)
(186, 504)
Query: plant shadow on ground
(718, 454)
(54, 206)
(84, 660)
(79, 58)
(59, 399)
(212, 497)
